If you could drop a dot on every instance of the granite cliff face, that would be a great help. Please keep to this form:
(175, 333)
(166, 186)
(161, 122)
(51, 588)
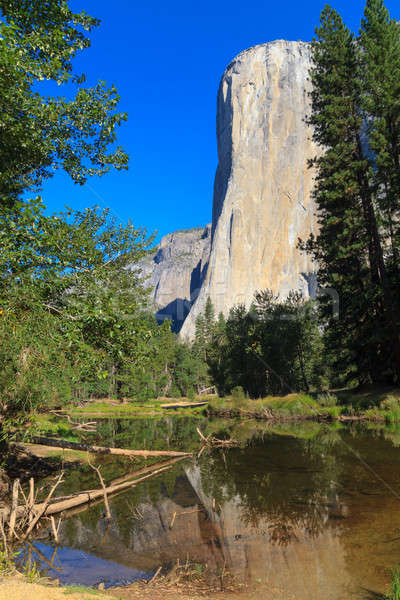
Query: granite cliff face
(175, 271)
(262, 188)
(262, 194)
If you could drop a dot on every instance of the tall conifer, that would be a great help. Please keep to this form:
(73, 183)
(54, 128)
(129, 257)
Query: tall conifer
(348, 246)
(380, 43)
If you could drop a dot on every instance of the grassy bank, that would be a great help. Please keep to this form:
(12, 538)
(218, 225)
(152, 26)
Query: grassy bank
(373, 405)
(129, 408)
(369, 404)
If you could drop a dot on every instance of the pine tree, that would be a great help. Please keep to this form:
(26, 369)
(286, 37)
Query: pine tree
(380, 43)
(349, 244)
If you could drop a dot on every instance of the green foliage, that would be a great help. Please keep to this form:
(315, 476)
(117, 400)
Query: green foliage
(40, 134)
(238, 393)
(74, 314)
(391, 408)
(355, 118)
(80, 589)
(274, 348)
(395, 591)
(71, 309)
(327, 399)
(189, 372)
(237, 396)
(31, 572)
(7, 562)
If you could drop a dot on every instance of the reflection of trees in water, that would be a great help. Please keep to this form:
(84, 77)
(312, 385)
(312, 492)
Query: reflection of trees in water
(155, 434)
(289, 481)
(292, 482)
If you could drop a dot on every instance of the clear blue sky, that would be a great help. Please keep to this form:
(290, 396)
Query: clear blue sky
(166, 59)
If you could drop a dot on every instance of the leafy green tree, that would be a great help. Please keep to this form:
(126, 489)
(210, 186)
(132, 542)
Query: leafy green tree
(69, 274)
(146, 366)
(40, 133)
(217, 356)
(289, 342)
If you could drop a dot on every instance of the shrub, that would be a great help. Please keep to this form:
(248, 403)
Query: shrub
(238, 396)
(391, 406)
(238, 393)
(327, 399)
(390, 403)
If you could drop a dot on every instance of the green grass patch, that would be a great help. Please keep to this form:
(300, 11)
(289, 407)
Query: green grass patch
(370, 403)
(285, 406)
(133, 408)
(48, 425)
(80, 589)
(395, 587)
(366, 397)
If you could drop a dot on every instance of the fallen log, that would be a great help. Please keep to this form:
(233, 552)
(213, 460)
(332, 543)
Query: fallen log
(86, 497)
(145, 470)
(176, 405)
(44, 509)
(213, 442)
(128, 476)
(55, 443)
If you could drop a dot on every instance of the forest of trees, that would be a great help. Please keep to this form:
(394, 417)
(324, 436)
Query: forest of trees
(75, 316)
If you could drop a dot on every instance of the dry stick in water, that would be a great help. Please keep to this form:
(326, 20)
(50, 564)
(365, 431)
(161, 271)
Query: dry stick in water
(44, 506)
(55, 529)
(106, 503)
(156, 574)
(31, 497)
(213, 442)
(14, 505)
(172, 521)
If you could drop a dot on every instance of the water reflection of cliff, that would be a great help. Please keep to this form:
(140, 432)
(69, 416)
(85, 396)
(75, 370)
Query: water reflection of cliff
(288, 555)
(302, 519)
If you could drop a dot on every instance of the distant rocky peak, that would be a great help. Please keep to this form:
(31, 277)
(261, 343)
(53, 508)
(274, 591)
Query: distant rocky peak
(175, 271)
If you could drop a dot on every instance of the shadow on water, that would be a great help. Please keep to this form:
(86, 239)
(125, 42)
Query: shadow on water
(291, 509)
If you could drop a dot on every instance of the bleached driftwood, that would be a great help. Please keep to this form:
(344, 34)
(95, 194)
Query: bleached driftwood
(53, 442)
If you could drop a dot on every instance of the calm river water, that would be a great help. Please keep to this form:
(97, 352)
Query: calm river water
(309, 511)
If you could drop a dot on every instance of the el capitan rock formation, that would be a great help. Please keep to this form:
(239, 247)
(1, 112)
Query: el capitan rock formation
(262, 191)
